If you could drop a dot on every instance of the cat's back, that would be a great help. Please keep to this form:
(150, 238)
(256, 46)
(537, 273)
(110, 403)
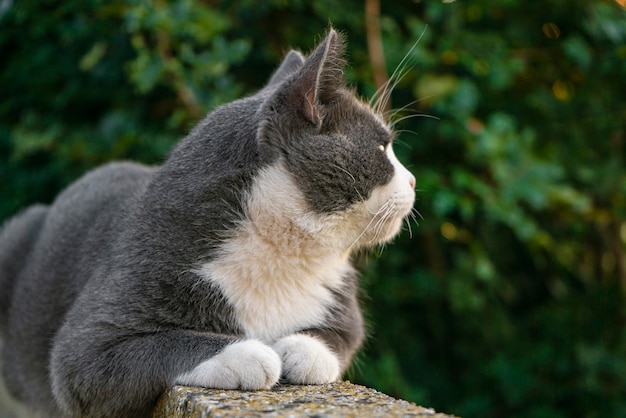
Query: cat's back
(117, 180)
(62, 242)
(87, 215)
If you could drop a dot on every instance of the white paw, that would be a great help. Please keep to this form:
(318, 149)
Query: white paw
(307, 360)
(247, 365)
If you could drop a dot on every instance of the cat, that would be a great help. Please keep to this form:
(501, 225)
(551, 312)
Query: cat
(229, 266)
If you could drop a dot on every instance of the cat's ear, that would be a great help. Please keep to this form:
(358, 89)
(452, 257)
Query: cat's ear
(293, 62)
(319, 78)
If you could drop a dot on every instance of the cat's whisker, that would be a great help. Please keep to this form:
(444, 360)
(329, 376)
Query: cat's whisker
(414, 102)
(414, 217)
(406, 57)
(379, 209)
(408, 224)
(414, 115)
(395, 121)
(377, 97)
(377, 227)
(384, 91)
(415, 212)
(387, 97)
(404, 131)
(384, 216)
(380, 249)
(381, 97)
(390, 114)
(351, 246)
(345, 171)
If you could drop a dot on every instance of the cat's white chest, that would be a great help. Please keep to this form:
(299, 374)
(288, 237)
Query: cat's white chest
(274, 297)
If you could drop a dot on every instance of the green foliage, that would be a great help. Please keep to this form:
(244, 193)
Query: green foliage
(508, 298)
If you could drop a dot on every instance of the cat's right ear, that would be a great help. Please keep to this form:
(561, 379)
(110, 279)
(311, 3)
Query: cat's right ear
(293, 62)
(318, 79)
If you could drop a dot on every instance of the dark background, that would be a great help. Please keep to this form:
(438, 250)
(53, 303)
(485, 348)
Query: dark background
(507, 298)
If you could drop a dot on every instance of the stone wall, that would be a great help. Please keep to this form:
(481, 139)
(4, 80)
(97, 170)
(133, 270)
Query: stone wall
(342, 399)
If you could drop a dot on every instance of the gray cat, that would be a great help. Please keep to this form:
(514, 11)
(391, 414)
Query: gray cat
(226, 267)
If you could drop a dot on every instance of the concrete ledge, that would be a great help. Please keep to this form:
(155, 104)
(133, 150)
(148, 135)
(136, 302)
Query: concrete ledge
(342, 399)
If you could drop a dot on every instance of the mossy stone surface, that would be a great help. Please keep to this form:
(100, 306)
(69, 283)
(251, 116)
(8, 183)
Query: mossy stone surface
(342, 399)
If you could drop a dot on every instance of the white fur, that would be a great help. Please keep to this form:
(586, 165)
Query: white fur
(405, 180)
(307, 360)
(278, 269)
(247, 365)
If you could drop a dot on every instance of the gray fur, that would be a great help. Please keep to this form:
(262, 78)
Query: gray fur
(100, 306)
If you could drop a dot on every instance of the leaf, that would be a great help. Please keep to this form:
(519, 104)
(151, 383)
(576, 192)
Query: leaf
(577, 49)
(145, 71)
(433, 88)
(93, 56)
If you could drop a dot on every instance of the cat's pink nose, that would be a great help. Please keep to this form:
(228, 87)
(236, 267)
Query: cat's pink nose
(412, 181)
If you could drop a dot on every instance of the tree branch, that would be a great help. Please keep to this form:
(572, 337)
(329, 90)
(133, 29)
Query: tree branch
(375, 45)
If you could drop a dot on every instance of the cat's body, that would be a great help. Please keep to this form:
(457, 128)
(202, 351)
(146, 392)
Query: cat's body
(225, 267)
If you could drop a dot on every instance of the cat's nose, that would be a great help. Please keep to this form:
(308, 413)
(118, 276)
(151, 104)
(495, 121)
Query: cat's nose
(412, 181)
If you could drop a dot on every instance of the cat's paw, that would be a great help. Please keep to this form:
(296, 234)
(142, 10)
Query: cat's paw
(307, 360)
(247, 365)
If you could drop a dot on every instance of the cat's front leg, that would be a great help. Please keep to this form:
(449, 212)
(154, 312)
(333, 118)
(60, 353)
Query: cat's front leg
(307, 360)
(98, 373)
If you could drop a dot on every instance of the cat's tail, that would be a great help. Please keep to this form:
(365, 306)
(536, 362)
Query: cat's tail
(17, 238)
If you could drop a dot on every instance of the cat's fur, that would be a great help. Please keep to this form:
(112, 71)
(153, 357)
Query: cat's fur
(226, 267)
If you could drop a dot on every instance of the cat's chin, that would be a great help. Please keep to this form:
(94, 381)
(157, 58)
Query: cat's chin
(387, 222)
(388, 231)
(380, 232)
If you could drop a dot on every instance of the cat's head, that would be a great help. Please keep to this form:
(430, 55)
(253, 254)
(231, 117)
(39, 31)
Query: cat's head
(335, 148)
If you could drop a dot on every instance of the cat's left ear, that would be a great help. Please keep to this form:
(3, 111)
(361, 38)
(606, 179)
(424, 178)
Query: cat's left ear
(319, 78)
(293, 61)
